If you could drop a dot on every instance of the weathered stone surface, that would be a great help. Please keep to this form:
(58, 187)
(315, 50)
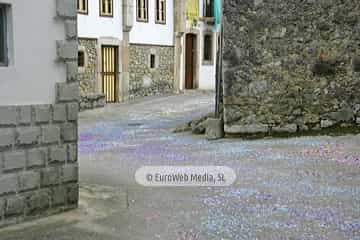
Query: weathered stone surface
(29, 180)
(25, 115)
(38, 201)
(290, 64)
(356, 63)
(50, 176)
(87, 75)
(198, 128)
(71, 29)
(247, 129)
(15, 205)
(50, 134)
(8, 183)
(72, 152)
(59, 112)
(58, 154)
(69, 132)
(327, 123)
(7, 137)
(66, 8)
(59, 195)
(14, 160)
(70, 173)
(92, 101)
(28, 135)
(67, 51)
(71, 71)
(42, 113)
(145, 81)
(288, 128)
(36, 157)
(72, 111)
(8, 116)
(214, 129)
(67, 92)
(73, 193)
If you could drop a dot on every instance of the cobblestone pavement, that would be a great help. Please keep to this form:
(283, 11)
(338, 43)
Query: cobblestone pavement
(298, 188)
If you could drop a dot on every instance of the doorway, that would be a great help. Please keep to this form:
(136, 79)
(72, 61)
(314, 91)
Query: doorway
(190, 61)
(109, 72)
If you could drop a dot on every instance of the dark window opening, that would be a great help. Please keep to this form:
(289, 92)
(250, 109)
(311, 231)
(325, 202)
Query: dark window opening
(160, 11)
(81, 59)
(208, 8)
(208, 48)
(142, 10)
(82, 6)
(152, 61)
(3, 37)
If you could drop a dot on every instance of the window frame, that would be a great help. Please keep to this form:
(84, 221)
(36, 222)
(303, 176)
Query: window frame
(86, 11)
(138, 19)
(157, 21)
(102, 14)
(205, 9)
(212, 48)
(4, 62)
(83, 58)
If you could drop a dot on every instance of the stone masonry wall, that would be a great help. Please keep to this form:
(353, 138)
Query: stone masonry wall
(145, 81)
(38, 143)
(291, 65)
(87, 76)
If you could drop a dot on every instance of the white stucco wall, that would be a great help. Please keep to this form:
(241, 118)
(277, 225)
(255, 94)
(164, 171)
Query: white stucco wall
(206, 74)
(95, 26)
(152, 33)
(33, 70)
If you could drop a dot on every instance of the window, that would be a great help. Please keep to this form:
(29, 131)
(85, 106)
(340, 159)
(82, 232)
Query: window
(208, 48)
(82, 6)
(3, 36)
(160, 11)
(208, 8)
(142, 10)
(152, 61)
(106, 8)
(81, 59)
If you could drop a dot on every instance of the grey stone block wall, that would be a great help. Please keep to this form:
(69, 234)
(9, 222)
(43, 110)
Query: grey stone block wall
(291, 66)
(38, 143)
(145, 81)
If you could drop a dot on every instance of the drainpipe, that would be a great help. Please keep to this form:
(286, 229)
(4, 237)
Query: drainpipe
(219, 74)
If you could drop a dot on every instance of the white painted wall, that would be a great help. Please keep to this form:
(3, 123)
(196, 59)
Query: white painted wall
(95, 26)
(33, 71)
(207, 78)
(152, 33)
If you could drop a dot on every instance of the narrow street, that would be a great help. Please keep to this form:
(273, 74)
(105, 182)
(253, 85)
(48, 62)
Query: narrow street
(299, 188)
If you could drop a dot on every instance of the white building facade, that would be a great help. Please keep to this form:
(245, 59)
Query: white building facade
(152, 48)
(38, 109)
(199, 44)
(101, 46)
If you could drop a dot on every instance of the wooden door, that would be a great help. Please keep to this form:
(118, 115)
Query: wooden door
(190, 61)
(109, 72)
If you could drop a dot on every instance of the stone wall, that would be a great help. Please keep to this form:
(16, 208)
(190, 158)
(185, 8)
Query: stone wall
(38, 143)
(291, 65)
(145, 81)
(87, 75)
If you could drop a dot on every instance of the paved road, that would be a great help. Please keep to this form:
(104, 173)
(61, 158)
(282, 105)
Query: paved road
(299, 188)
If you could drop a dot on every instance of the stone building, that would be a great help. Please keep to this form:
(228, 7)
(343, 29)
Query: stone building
(152, 48)
(290, 66)
(103, 28)
(38, 109)
(197, 43)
